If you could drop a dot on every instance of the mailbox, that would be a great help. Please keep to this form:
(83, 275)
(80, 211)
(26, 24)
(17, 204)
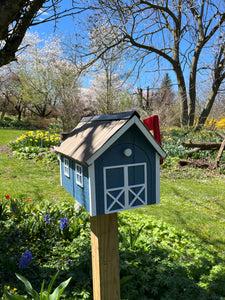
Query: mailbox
(111, 163)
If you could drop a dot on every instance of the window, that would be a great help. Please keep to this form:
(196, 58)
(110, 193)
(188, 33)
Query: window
(66, 167)
(79, 175)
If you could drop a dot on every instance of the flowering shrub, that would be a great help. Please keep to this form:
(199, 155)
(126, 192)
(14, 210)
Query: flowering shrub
(215, 123)
(38, 145)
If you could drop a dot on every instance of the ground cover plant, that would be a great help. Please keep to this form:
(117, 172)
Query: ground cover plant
(174, 250)
(157, 261)
(173, 138)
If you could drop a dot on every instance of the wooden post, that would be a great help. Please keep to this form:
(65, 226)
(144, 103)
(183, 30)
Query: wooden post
(105, 257)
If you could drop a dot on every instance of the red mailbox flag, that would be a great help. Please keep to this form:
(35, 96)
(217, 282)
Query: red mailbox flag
(152, 123)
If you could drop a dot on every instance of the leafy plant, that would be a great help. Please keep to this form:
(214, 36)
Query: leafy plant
(37, 145)
(44, 295)
(129, 239)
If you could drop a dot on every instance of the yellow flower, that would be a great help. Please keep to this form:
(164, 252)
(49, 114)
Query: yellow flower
(11, 249)
(8, 287)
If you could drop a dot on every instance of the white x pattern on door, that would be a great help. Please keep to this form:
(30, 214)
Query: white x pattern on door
(125, 187)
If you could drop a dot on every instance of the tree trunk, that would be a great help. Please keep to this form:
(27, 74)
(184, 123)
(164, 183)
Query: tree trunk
(202, 145)
(23, 21)
(192, 87)
(182, 97)
(209, 103)
(219, 76)
(2, 114)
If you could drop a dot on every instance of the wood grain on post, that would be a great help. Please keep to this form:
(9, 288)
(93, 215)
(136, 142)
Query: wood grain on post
(105, 257)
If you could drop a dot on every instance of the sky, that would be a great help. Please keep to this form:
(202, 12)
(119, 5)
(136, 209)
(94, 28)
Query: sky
(65, 26)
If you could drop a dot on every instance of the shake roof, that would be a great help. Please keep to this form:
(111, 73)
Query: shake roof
(92, 133)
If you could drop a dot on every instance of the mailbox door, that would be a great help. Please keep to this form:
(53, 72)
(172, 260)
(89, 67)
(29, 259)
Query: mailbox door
(125, 186)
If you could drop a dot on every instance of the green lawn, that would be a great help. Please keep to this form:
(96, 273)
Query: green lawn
(191, 199)
(21, 178)
(8, 135)
(176, 261)
(196, 205)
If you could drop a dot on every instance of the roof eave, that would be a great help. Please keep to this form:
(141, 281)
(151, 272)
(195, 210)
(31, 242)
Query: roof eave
(120, 132)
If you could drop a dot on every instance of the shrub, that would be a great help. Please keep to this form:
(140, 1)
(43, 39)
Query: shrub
(12, 123)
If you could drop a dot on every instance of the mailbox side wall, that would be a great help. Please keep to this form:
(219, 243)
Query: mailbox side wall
(81, 194)
(143, 152)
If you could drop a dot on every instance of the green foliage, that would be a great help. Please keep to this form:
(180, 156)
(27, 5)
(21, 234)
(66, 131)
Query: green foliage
(25, 226)
(174, 137)
(157, 261)
(12, 123)
(37, 145)
(44, 295)
(167, 263)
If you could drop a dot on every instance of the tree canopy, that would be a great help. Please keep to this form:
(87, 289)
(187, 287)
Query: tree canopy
(17, 16)
(186, 37)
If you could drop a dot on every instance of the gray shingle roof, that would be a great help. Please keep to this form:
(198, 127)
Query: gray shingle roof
(92, 133)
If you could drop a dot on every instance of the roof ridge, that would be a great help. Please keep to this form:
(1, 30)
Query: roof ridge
(110, 117)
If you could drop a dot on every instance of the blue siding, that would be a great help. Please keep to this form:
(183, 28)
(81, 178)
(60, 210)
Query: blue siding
(142, 152)
(81, 194)
(67, 182)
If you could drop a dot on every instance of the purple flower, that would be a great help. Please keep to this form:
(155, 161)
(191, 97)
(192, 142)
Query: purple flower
(47, 219)
(63, 223)
(25, 260)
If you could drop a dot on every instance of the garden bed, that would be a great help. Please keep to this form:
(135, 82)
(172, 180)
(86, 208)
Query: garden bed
(174, 250)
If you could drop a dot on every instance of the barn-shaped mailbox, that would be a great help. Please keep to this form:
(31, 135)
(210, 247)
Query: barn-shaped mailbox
(110, 163)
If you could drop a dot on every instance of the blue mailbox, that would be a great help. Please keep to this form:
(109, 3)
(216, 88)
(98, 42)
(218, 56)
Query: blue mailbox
(110, 163)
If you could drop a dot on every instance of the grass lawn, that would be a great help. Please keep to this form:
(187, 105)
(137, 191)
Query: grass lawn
(8, 135)
(22, 178)
(173, 250)
(191, 199)
(195, 204)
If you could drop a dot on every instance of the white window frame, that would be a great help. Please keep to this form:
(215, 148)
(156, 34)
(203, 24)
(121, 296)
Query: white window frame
(66, 167)
(79, 175)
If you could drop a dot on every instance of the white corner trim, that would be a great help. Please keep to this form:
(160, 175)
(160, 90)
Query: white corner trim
(92, 191)
(157, 176)
(60, 168)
